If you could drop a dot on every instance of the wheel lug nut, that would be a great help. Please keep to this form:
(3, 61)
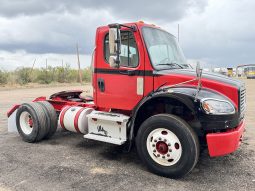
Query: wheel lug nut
(155, 140)
(163, 157)
(170, 150)
(159, 138)
(158, 155)
(154, 151)
(169, 144)
(165, 140)
(153, 145)
(168, 155)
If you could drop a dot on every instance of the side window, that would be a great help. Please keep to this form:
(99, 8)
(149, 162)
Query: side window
(129, 53)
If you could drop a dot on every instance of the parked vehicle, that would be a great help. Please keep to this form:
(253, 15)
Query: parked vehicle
(250, 72)
(144, 93)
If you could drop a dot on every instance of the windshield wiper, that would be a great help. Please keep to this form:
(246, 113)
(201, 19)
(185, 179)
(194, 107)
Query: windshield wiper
(170, 64)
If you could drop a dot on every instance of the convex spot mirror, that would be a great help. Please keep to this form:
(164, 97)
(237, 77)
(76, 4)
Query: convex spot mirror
(112, 62)
(198, 70)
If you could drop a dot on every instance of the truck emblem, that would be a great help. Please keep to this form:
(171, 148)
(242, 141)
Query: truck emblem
(101, 129)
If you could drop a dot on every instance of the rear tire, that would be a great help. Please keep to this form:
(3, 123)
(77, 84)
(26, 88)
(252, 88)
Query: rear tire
(167, 145)
(51, 117)
(31, 122)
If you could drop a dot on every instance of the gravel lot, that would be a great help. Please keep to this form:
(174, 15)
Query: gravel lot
(69, 162)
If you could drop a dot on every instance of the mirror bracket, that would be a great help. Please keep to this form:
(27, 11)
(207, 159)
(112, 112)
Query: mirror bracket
(118, 26)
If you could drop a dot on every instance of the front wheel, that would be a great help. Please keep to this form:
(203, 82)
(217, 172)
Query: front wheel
(167, 145)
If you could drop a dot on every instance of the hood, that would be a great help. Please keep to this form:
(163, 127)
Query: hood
(205, 75)
(229, 87)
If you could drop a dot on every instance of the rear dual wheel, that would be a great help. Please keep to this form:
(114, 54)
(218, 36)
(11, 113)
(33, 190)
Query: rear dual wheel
(167, 145)
(36, 121)
(52, 118)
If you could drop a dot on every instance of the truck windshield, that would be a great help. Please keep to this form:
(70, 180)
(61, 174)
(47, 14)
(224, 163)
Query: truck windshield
(163, 49)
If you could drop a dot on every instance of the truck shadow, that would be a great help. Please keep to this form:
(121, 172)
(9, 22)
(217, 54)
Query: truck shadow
(212, 168)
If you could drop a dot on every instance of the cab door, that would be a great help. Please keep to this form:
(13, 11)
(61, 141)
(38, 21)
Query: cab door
(120, 88)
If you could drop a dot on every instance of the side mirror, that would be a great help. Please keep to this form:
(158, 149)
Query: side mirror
(198, 70)
(114, 47)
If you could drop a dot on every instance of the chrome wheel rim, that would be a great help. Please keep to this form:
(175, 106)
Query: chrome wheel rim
(164, 147)
(26, 123)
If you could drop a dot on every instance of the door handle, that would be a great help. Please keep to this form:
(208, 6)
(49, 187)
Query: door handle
(101, 84)
(128, 72)
(131, 72)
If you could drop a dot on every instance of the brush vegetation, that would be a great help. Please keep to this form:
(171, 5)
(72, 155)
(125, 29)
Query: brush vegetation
(25, 75)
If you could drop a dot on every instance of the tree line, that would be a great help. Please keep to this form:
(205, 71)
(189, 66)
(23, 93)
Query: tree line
(25, 75)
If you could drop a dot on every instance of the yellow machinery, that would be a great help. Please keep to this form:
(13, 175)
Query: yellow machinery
(230, 72)
(250, 72)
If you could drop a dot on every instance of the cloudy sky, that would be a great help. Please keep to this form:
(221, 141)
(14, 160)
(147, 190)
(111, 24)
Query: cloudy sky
(215, 32)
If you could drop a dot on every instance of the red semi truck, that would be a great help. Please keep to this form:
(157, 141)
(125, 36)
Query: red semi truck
(144, 93)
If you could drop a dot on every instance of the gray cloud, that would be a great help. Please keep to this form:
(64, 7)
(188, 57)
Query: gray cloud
(217, 32)
(57, 33)
(223, 35)
(167, 10)
(55, 26)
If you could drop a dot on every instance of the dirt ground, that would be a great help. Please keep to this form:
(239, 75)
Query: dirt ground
(69, 162)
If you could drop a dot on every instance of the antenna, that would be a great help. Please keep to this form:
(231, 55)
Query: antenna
(178, 32)
(199, 72)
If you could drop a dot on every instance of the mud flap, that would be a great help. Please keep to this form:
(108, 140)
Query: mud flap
(12, 127)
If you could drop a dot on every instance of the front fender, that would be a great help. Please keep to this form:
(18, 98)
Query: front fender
(186, 99)
(187, 96)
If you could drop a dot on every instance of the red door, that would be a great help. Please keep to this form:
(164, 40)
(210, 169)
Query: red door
(119, 88)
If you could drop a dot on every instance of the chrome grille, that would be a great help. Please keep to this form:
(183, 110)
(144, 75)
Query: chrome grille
(242, 100)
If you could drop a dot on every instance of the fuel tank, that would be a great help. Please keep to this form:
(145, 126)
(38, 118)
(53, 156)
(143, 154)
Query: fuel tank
(75, 119)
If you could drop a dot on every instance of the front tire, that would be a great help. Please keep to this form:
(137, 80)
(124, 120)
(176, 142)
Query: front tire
(167, 145)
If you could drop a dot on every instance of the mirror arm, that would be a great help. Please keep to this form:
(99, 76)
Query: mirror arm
(132, 28)
(118, 47)
(118, 26)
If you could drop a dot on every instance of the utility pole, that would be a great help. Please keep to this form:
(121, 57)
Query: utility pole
(46, 72)
(33, 65)
(79, 65)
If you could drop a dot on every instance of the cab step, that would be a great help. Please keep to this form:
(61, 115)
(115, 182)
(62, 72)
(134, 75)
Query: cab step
(104, 139)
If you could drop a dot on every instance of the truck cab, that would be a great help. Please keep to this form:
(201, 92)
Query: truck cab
(144, 93)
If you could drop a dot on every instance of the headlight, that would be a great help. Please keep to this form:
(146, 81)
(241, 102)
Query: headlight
(217, 107)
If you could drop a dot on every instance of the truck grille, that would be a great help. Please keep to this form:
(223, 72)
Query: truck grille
(242, 100)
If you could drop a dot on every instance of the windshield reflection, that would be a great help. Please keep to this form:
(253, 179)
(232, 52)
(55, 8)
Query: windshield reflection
(163, 49)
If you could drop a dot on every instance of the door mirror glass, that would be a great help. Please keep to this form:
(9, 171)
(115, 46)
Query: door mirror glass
(113, 40)
(114, 47)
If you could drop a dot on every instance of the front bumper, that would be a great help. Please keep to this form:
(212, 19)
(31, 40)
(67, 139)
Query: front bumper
(220, 144)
